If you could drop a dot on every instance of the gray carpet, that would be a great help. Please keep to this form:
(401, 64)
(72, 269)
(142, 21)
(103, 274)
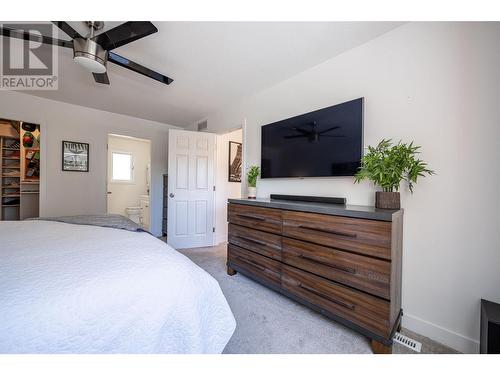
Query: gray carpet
(268, 322)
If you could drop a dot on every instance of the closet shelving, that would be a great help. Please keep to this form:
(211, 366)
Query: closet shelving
(19, 170)
(10, 178)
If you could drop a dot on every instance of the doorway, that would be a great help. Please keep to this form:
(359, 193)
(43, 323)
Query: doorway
(229, 177)
(129, 178)
(20, 169)
(191, 189)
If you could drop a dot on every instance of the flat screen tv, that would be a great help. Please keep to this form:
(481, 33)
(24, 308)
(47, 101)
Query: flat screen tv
(323, 143)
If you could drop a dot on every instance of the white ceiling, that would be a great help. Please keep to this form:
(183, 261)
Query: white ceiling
(212, 64)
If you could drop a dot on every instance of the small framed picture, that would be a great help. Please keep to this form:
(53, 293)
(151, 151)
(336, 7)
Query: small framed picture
(75, 156)
(234, 161)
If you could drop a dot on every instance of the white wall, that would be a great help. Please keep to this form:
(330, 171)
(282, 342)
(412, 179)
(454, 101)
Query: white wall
(69, 193)
(437, 84)
(224, 189)
(127, 194)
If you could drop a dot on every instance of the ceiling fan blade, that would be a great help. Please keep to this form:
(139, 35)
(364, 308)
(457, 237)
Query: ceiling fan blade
(332, 136)
(329, 130)
(303, 131)
(35, 38)
(64, 26)
(296, 136)
(101, 78)
(126, 63)
(124, 34)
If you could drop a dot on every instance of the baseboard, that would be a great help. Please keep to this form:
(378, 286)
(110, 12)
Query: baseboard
(220, 238)
(442, 335)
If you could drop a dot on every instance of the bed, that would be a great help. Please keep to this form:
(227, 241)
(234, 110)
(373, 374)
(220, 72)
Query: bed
(73, 288)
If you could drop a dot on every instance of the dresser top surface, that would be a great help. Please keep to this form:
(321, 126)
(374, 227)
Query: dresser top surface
(360, 212)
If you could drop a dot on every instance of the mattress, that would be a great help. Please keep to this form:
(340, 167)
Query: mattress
(67, 288)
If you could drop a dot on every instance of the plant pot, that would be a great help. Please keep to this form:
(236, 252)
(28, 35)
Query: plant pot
(252, 192)
(387, 200)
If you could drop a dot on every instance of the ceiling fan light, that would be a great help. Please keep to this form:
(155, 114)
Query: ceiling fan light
(89, 64)
(89, 55)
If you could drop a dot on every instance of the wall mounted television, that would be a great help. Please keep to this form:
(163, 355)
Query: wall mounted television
(323, 143)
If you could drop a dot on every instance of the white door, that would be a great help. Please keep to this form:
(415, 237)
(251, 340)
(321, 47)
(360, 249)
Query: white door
(191, 193)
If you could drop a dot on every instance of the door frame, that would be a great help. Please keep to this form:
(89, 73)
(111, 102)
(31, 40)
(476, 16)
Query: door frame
(106, 182)
(214, 170)
(243, 156)
(214, 196)
(241, 126)
(42, 183)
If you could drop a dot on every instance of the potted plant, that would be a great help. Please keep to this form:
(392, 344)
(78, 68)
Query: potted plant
(252, 174)
(387, 165)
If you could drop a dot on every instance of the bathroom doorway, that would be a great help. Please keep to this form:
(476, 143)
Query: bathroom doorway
(129, 178)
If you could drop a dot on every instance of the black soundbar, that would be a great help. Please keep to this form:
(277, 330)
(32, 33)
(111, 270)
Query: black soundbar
(307, 198)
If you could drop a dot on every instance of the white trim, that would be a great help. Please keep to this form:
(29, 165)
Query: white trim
(43, 169)
(244, 158)
(214, 199)
(220, 238)
(440, 334)
(132, 138)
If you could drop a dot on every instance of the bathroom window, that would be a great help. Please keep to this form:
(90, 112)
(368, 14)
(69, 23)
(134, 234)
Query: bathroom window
(122, 167)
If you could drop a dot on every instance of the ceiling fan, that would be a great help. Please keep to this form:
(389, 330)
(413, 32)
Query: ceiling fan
(93, 51)
(313, 135)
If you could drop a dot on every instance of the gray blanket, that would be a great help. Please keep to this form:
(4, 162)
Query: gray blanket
(108, 221)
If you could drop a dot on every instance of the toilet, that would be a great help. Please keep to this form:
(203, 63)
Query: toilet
(134, 214)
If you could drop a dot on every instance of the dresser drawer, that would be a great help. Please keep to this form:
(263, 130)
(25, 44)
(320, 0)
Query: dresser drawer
(265, 219)
(266, 244)
(362, 309)
(260, 267)
(365, 273)
(369, 237)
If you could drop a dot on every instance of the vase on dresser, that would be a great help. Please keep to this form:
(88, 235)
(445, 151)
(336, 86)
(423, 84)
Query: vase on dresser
(388, 200)
(252, 192)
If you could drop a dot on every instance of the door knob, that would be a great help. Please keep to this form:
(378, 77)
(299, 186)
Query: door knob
(171, 195)
(109, 192)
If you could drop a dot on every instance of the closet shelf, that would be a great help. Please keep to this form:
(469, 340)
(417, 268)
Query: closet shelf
(19, 198)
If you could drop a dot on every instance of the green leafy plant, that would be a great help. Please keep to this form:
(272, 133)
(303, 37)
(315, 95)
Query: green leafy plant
(252, 174)
(387, 165)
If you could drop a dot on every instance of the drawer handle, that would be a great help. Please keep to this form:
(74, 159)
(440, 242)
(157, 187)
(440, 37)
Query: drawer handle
(340, 268)
(251, 263)
(251, 217)
(319, 294)
(329, 231)
(251, 240)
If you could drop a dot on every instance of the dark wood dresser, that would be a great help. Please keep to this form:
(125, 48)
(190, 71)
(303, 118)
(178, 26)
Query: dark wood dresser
(343, 261)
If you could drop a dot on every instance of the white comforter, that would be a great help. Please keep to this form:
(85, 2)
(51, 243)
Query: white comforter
(83, 289)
